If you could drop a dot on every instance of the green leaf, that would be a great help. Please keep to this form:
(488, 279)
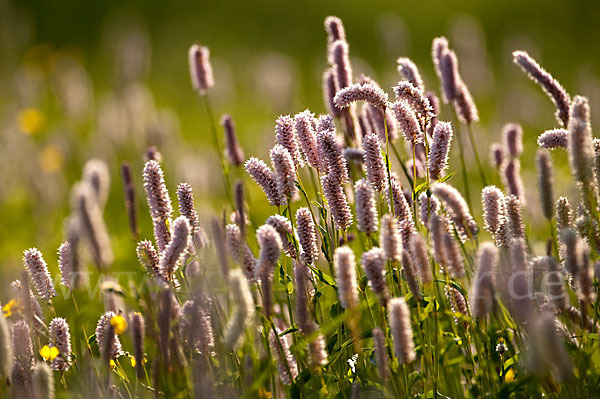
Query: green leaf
(447, 177)
(289, 330)
(323, 277)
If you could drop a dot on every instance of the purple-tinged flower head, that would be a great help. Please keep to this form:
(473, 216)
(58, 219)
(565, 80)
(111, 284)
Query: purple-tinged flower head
(458, 304)
(270, 251)
(511, 177)
(303, 317)
(545, 182)
(21, 343)
(457, 208)
(439, 150)
(265, 178)
(548, 352)
(287, 132)
(345, 270)
(434, 101)
(414, 96)
(196, 323)
(354, 155)
(512, 133)
(340, 62)
(373, 261)
(36, 309)
(95, 173)
(418, 252)
(65, 264)
(585, 276)
(492, 200)
(514, 218)
(329, 90)
(185, 198)
(150, 259)
(402, 209)
(6, 349)
(108, 342)
(427, 206)
(438, 228)
(453, 256)
(337, 201)
(285, 171)
(410, 274)
(572, 245)
(518, 284)
(157, 194)
(324, 122)
(42, 381)
(552, 88)
(179, 243)
(381, 354)
(554, 138)
(503, 235)
(200, 69)
(497, 155)
(361, 92)
(448, 64)
(331, 156)
(234, 152)
(376, 170)
(373, 119)
(286, 364)
(438, 48)
(389, 238)
(244, 309)
(483, 287)
(307, 236)
(564, 214)
(409, 71)
(130, 198)
(92, 223)
(284, 228)
(407, 229)
(555, 283)
(61, 338)
(240, 206)
(580, 146)
(399, 315)
(152, 154)
(408, 122)
(234, 242)
(465, 105)
(334, 28)
(138, 333)
(38, 271)
(218, 235)
(366, 207)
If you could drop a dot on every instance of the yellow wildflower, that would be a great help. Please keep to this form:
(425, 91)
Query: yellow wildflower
(30, 121)
(112, 364)
(49, 352)
(51, 159)
(119, 324)
(509, 376)
(11, 307)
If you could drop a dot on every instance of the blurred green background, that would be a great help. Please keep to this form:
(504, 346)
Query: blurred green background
(107, 79)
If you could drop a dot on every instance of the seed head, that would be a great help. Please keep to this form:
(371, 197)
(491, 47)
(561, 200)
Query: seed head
(497, 155)
(179, 243)
(389, 238)
(440, 148)
(376, 170)
(285, 171)
(552, 139)
(366, 207)
(410, 274)
(564, 214)
(200, 69)
(331, 156)
(307, 236)
(381, 355)
(265, 178)
(337, 202)
(420, 258)
(334, 28)
(407, 122)
(453, 256)
(109, 344)
(38, 271)
(286, 364)
(186, 205)
(244, 309)
(409, 71)
(361, 92)
(329, 90)
(514, 217)
(138, 332)
(95, 173)
(482, 289)
(545, 183)
(340, 62)
(580, 144)
(286, 135)
(234, 152)
(345, 268)
(401, 330)
(61, 338)
(492, 200)
(552, 88)
(457, 208)
(373, 261)
(284, 228)
(42, 381)
(512, 179)
(414, 96)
